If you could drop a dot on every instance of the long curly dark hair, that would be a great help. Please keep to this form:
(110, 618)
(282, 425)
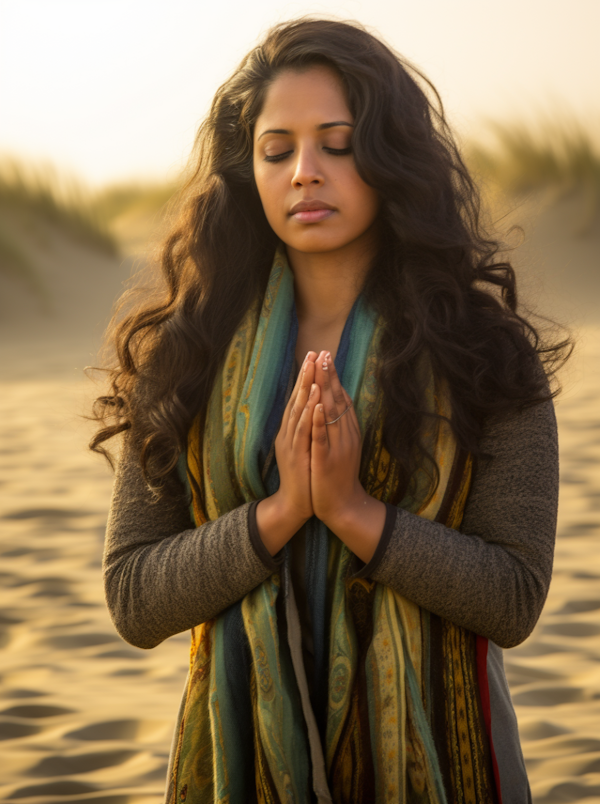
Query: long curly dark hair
(438, 280)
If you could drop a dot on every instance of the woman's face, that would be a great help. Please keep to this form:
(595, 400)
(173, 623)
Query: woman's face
(303, 158)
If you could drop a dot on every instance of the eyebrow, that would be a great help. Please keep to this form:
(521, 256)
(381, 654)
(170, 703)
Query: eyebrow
(320, 127)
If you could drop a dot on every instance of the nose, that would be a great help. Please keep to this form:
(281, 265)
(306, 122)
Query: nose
(307, 169)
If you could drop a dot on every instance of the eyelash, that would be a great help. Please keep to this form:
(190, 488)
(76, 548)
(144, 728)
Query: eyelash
(333, 151)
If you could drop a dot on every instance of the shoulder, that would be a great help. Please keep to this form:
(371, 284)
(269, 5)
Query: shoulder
(527, 436)
(518, 461)
(132, 486)
(517, 423)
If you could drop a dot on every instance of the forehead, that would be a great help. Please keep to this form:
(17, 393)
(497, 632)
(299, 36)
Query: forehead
(312, 96)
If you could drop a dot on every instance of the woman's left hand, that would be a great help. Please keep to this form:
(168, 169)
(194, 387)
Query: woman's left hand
(335, 449)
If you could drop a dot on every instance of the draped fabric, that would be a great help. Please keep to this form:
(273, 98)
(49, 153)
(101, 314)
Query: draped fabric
(395, 691)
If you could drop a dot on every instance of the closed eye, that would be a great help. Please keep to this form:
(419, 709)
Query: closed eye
(333, 151)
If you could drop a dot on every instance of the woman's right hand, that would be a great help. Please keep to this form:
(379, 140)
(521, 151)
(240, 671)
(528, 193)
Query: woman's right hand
(292, 445)
(279, 516)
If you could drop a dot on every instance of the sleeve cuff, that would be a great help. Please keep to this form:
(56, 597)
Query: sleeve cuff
(388, 527)
(272, 563)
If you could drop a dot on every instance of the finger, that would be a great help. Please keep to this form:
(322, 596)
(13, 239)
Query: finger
(351, 415)
(320, 444)
(342, 401)
(301, 398)
(308, 361)
(323, 378)
(303, 430)
(310, 358)
(303, 381)
(337, 390)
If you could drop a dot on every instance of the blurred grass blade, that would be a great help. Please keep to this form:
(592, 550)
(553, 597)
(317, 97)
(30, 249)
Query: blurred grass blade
(557, 154)
(15, 263)
(44, 193)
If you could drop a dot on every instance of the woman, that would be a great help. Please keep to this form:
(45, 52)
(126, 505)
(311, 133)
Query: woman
(336, 378)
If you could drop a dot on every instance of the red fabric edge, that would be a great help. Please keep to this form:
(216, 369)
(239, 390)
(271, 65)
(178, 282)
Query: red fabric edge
(484, 691)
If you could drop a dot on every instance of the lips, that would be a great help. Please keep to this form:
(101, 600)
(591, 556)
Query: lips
(312, 215)
(311, 211)
(309, 206)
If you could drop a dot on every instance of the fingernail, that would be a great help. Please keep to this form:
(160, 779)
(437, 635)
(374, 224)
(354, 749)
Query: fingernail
(312, 388)
(320, 408)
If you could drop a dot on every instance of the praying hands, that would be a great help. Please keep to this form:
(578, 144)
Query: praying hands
(318, 461)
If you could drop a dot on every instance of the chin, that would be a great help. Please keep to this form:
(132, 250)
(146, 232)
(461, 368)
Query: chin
(313, 242)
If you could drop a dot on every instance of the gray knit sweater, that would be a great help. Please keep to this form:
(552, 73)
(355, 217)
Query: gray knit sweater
(163, 576)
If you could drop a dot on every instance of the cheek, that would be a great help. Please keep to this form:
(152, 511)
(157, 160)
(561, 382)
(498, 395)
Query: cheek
(269, 192)
(365, 200)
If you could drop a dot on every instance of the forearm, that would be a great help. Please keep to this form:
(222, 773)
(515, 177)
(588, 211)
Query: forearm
(163, 576)
(156, 590)
(493, 575)
(481, 586)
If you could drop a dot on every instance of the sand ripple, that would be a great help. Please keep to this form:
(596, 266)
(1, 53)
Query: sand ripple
(83, 716)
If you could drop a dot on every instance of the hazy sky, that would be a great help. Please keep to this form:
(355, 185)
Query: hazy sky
(114, 89)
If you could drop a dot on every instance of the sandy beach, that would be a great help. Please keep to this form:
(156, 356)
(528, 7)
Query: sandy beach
(85, 716)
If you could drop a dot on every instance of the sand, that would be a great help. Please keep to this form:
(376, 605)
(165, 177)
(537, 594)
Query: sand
(85, 716)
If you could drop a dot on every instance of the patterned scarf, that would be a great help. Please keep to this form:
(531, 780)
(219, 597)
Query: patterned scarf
(396, 697)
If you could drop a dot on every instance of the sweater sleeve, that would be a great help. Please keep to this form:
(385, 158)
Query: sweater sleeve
(493, 575)
(161, 574)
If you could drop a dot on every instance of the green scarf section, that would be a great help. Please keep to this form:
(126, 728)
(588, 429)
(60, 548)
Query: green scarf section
(242, 736)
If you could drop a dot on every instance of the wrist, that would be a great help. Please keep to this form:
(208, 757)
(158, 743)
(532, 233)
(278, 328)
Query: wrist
(349, 510)
(360, 524)
(287, 514)
(277, 522)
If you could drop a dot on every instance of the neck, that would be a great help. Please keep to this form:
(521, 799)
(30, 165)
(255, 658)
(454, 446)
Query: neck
(327, 284)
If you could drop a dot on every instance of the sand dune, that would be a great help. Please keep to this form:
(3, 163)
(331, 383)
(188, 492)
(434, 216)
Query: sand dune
(86, 717)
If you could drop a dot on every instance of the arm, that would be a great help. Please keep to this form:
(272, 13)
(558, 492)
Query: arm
(161, 574)
(494, 575)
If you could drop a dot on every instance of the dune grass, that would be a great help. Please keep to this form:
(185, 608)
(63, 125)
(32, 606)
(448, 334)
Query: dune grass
(31, 195)
(51, 195)
(559, 155)
(35, 196)
(116, 200)
(14, 262)
(136, 213)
